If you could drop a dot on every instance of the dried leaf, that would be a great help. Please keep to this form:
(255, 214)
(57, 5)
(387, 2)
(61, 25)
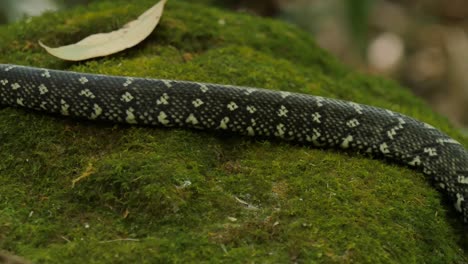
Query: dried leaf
(104, 44)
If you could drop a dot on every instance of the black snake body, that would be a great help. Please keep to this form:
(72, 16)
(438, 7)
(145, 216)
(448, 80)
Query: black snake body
(303, 118)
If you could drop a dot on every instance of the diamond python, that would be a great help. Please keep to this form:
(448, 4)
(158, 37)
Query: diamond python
(322, 122)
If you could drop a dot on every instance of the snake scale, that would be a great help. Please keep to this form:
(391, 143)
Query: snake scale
(314, 120)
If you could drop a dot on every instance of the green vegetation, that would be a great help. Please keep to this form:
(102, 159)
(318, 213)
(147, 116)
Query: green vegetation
(159, 195)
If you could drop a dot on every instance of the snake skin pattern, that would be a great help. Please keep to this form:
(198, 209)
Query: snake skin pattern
(319, 121)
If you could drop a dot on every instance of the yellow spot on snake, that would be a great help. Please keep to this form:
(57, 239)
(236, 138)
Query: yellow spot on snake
(162, 118)
(131, 119)
(191, 120)
(97, 111)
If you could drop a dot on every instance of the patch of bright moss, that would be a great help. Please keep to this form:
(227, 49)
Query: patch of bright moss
(159, 195)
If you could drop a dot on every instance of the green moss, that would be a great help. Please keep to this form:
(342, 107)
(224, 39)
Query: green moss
(159, 195)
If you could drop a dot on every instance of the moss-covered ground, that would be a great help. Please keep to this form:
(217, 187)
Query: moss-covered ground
(150, 195)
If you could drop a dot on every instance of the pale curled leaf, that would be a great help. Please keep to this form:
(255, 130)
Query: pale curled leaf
(104, 44)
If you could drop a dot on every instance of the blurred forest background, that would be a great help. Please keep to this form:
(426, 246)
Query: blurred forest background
(423, 44)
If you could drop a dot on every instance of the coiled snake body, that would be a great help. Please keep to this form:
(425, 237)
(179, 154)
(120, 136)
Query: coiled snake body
(322, 122)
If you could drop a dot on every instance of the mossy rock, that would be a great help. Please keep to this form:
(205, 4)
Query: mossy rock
(159, 195)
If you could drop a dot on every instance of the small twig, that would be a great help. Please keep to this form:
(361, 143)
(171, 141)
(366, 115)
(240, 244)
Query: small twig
(89, 170)
(121, 239)
(249, 206)
(223, 247)
(66, 239)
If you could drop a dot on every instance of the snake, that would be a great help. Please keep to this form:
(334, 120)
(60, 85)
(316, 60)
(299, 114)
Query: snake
(306, 119)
